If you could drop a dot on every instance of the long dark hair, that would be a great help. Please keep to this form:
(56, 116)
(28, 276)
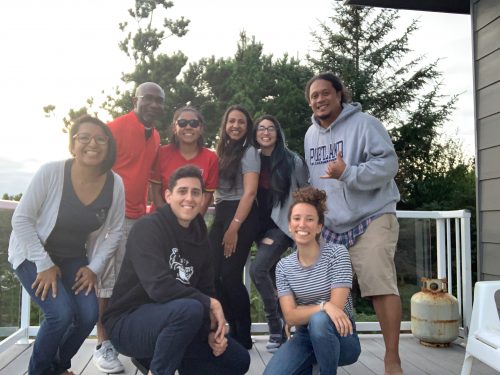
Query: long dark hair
(282, 162)
(230, 152)
(110, 158)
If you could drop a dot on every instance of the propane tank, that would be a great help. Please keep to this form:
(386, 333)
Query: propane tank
(434, 313)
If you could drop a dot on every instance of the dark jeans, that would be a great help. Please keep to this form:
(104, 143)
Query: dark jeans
(231, 291)
(69, 318)
(318, 342)
(261, 272)
(169, 334)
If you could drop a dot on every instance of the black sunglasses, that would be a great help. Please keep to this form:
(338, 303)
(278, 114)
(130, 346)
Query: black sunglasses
(194, 123)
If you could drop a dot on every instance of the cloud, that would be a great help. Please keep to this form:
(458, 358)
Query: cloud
(15, 176)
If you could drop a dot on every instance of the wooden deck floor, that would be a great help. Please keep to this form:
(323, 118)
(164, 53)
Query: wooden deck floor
(417, 359)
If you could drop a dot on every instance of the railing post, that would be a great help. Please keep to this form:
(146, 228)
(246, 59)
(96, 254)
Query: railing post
(441, 248)
(466, 272)
(448, 256)
(25, 315)
(458, 266)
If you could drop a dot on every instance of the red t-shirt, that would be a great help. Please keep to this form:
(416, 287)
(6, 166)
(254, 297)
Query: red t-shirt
(135, 157)
(170, 158)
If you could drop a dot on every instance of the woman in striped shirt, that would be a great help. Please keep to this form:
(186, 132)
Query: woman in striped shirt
(314, 286)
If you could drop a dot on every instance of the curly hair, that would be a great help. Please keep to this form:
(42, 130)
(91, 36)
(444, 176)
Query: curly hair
(312, 196)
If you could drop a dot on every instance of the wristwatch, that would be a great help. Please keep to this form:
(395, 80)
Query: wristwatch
(322, 306)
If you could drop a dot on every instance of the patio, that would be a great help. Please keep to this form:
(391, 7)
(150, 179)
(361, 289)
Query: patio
(417, 359)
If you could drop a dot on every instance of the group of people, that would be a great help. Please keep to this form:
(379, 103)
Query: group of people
(160, 287)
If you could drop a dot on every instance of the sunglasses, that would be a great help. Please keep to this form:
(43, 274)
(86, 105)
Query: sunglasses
(194, 123)
(85, 138)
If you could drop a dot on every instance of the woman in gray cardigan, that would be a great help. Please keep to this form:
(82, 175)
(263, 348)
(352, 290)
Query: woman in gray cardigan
(64, 231)
(282, 172)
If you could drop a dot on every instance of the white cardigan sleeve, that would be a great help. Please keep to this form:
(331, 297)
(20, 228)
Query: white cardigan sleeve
(36, 214)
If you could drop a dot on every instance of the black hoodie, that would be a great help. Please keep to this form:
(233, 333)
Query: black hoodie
(163, 262)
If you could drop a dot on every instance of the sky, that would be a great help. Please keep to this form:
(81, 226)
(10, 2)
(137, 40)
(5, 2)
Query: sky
(62, 52)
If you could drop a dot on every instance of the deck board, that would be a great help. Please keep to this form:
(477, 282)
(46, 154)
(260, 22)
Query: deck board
(417, 359)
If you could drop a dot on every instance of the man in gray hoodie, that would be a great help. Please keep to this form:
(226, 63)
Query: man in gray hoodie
(350, 155)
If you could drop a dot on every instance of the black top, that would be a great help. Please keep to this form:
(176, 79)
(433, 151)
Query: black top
(163, 262)
(264, 198)
(75, 221)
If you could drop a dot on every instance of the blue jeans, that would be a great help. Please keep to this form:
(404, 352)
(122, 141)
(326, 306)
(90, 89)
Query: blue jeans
(69, 318)
(263, 278)
(168, 334)
(318, 342)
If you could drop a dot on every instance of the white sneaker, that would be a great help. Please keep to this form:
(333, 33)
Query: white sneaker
(106, 359)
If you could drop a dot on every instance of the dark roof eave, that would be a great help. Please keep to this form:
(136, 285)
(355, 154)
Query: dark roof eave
(445, 6)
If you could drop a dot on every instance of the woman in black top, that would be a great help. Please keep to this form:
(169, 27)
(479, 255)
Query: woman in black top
(65, 229)
(282, 172)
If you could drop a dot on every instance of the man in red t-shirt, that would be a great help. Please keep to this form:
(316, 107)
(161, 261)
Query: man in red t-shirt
(137, 144)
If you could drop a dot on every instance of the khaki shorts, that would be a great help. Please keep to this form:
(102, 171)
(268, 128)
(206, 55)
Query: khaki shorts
(108, 279)
(372, 257)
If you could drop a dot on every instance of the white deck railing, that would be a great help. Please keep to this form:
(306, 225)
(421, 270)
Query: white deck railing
(449, 263)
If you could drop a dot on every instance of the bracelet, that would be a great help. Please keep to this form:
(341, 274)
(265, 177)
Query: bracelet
(322, 306)
(237, 220)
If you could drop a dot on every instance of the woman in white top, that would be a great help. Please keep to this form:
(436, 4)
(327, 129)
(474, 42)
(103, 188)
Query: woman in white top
(64, 231)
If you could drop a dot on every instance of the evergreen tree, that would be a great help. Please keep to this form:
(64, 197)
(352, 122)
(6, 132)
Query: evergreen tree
(260, 82)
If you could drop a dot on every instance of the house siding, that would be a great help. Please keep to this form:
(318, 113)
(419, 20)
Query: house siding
(486, 37)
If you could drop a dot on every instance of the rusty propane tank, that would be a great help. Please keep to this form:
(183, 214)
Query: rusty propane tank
(434, 314)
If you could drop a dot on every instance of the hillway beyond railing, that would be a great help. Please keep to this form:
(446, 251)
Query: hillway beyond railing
(461, 283)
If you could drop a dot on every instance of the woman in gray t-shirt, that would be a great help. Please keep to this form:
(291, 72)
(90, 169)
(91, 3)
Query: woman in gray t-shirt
(236, 219)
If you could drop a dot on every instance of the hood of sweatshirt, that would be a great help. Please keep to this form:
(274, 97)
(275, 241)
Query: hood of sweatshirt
(348, 109)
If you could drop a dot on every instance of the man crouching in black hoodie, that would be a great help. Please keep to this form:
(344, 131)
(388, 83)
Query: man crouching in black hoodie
(162, 309)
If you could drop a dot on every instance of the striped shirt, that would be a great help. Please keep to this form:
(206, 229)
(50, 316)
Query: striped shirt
(313, 284)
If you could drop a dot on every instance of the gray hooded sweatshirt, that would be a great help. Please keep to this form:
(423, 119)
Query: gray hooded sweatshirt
(367, 187)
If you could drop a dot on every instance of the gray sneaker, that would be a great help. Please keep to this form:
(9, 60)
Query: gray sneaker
(275, 341)
(106, 359)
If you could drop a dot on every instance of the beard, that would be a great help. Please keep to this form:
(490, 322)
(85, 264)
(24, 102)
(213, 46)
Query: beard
(325, 116)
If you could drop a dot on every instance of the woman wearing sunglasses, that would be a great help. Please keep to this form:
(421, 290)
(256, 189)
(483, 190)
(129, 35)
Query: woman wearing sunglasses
(236, 219)
(65, 229)
(186, 147)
